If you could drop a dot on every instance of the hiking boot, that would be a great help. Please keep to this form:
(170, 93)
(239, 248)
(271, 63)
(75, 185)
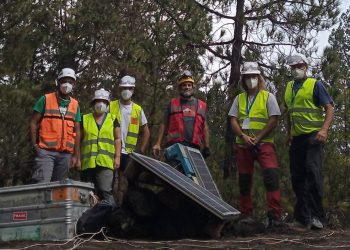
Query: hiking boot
(316, 224)
(274, 220)
(298, 226)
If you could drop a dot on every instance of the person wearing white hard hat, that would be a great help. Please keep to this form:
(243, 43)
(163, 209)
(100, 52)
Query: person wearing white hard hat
(307, 100)
(100, 146)
(132, 119)
(55, 131)
(185, 119)
(254, 115)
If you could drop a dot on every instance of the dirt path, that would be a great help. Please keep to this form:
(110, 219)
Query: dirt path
(325, 239)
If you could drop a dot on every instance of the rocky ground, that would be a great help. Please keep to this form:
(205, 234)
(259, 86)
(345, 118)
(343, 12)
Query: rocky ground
(325, 239)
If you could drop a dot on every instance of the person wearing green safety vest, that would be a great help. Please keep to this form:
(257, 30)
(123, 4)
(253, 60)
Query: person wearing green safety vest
(307, 100)
(254, 114)
(100, 147)
(133, 123)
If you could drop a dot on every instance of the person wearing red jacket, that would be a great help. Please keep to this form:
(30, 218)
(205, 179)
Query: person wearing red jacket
(185, 119)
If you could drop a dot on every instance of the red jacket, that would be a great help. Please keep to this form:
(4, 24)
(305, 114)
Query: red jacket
(176, 128)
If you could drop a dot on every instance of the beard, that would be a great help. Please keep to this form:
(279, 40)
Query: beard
(187, 94)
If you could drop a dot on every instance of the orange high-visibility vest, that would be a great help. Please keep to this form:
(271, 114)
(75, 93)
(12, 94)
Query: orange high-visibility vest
(56, 132)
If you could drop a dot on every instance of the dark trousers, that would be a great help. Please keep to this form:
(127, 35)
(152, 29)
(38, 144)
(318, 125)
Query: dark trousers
(102, 178)
(124, 161)
(306, 160)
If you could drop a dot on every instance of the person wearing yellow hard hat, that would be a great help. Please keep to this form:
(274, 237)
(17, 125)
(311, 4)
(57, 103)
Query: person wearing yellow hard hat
(185, 119)
(101, 146)
(55, 131)
(310, 113)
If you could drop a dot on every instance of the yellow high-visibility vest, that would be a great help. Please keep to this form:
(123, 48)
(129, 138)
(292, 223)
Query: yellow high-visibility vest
(258, 115)
(134, 125)
(98, 145)
(305, 116)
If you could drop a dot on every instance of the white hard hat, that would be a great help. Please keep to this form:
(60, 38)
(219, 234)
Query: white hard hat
(250, 68)
(67, 72)
(101, 94)
(127, 81)
(296, 59)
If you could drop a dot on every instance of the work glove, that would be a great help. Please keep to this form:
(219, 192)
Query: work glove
(206, 152)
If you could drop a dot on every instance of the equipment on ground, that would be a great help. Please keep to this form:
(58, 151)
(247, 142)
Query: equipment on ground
(193, 166)
(45, 211)
(210, 202)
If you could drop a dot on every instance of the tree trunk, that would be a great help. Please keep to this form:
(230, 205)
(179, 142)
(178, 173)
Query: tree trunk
(235, 59)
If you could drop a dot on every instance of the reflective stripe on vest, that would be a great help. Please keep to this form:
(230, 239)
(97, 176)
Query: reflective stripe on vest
(176, 129)
(305, 116)
(57, 132)
(258, 115)
(134, 123)
(97, 148)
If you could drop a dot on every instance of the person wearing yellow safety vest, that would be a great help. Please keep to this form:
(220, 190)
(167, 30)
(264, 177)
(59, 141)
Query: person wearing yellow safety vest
(100, 146)
(306, 100)
(55, 131)
(132, 119)
(254, 114)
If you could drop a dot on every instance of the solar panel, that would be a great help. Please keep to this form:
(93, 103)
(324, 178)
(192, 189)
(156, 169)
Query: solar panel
(201, 170)
(198, 194)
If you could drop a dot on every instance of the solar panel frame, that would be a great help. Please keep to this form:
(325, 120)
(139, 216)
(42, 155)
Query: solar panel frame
(200, 195)
(202, 171)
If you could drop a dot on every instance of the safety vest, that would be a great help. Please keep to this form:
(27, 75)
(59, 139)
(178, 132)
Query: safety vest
(56, 132)
(258, 115)
(176, 127)
(305, 116)
(97, 147)
(134, 123)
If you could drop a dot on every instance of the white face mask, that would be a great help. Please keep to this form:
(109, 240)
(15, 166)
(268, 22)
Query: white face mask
(100, 107)
(66, 88)
(126, 94)
(298, 73)
(251, 82)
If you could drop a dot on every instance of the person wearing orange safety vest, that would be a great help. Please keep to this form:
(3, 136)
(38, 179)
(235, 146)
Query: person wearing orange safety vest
(55, 131)
(185, 119)
(100, 146)
(310, 114)
(254, 114)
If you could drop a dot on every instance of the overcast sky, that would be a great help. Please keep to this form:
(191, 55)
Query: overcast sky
(323, 36)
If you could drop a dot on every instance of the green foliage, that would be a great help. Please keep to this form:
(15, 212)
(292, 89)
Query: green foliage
(335, 69)
(15, 147)
(101, 40)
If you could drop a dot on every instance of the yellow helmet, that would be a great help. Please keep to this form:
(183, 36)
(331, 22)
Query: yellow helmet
(186, 76)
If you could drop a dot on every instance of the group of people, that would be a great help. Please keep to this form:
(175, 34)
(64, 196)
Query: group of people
(254, 116)
(99, 143)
